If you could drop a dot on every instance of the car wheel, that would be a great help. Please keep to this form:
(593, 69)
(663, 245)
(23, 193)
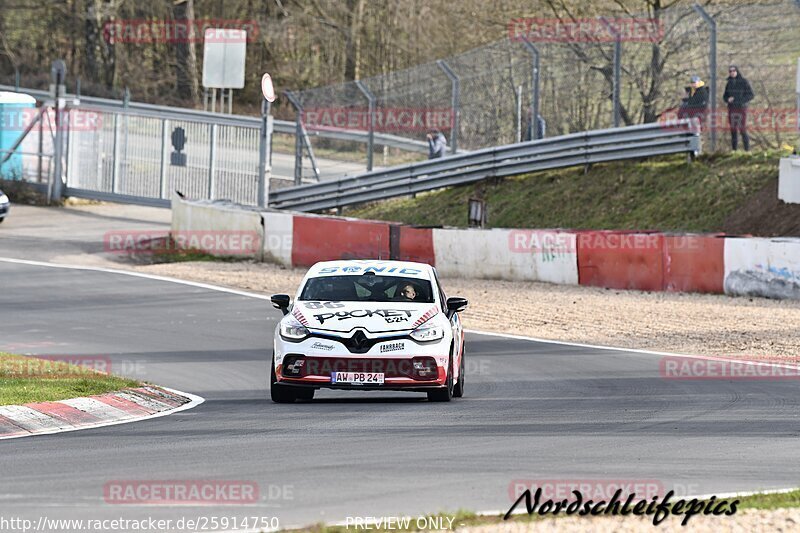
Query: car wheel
(458, 390)
(305, 394)
(445, 394)
(280, 393)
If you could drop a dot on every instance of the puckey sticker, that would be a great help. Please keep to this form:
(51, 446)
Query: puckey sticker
(365, 313)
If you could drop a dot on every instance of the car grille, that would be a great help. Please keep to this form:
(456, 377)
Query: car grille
(358, 341)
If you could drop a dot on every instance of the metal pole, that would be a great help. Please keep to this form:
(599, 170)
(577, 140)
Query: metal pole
(59, 70)
(712, 63)
(212, 160)
(301, 139)
(371, 127)
(298, 138)
(78, 87)
(263, 143)
(162, 175)
(455, 103)
(16, 80)
(519, 113)
(617, 79)
(535, 133)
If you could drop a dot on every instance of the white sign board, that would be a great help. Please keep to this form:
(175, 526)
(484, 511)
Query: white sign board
(223, 58)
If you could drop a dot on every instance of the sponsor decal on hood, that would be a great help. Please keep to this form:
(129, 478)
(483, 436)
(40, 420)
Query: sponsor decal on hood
(375, 317)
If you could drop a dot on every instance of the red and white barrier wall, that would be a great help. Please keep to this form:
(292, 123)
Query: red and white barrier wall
(650, 261)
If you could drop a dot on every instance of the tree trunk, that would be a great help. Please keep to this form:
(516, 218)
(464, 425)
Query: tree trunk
(185, 53)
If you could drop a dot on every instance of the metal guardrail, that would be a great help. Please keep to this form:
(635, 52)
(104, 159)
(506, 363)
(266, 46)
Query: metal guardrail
(178, 113)
(646, 140)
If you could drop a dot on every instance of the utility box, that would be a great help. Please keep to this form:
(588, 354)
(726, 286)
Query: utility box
(16, 110)
(789, 180)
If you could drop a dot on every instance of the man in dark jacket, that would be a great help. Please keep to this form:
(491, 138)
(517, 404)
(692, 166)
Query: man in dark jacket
(738, 94)
(695, 103)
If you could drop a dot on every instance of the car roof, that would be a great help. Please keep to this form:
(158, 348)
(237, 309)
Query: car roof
(356, 267)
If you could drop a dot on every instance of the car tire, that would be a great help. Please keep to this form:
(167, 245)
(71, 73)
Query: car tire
(458, 390)
(444, 394)
(277, 392)
(305, 394)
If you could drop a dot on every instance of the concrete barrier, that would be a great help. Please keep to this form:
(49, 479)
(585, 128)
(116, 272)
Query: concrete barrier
(320, 238)
(694, 263)
(621, 260)
(763, 267)
(527, 255)
(612, 259)
(192, 217)
(278, 237)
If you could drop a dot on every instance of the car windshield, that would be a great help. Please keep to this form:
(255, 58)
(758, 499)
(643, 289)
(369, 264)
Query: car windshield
(368, 288)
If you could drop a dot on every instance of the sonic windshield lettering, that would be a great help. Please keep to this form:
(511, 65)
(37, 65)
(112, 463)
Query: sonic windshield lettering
(365, 313)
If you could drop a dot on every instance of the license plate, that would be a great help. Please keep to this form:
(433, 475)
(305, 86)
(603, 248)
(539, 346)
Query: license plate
(357, 378)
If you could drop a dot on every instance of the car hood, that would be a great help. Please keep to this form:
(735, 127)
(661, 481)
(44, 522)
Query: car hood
(375, 317)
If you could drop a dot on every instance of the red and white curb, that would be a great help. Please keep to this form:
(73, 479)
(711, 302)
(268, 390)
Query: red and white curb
(129, 405)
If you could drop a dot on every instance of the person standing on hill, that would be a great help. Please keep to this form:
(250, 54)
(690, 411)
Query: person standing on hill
(738, 94)
(695, 103)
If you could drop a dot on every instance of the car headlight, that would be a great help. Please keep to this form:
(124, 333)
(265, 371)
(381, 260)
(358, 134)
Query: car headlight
(3, 199)
(427, 332)
(293, 330)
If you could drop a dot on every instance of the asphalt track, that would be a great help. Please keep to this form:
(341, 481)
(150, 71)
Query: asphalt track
(532, 410)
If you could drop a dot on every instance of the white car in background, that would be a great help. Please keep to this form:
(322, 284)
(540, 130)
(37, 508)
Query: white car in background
(368, 325)
(5, 206)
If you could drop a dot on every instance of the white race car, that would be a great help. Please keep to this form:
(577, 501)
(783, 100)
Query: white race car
(368, 325)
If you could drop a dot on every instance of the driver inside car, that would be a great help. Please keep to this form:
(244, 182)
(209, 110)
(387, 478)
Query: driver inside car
(408, 292)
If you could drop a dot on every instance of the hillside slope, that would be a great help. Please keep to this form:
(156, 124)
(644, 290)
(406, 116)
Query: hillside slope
(735, 193)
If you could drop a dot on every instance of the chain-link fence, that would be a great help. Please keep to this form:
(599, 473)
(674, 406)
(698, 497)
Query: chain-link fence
(490, 101)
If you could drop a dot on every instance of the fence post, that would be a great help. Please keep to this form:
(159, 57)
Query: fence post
(617, 78)
(212, 160)
(58, 71)
(298, 138)
(455, 103)
(162, 174)
(301, 138)
(264, 141)
(535, 133)
(712, 64)
(371, 127)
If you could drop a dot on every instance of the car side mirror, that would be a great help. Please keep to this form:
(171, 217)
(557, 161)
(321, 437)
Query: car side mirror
(455, 305)
(281, 301)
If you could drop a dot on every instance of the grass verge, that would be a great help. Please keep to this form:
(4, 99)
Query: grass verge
(666, 193)
(30, 379)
